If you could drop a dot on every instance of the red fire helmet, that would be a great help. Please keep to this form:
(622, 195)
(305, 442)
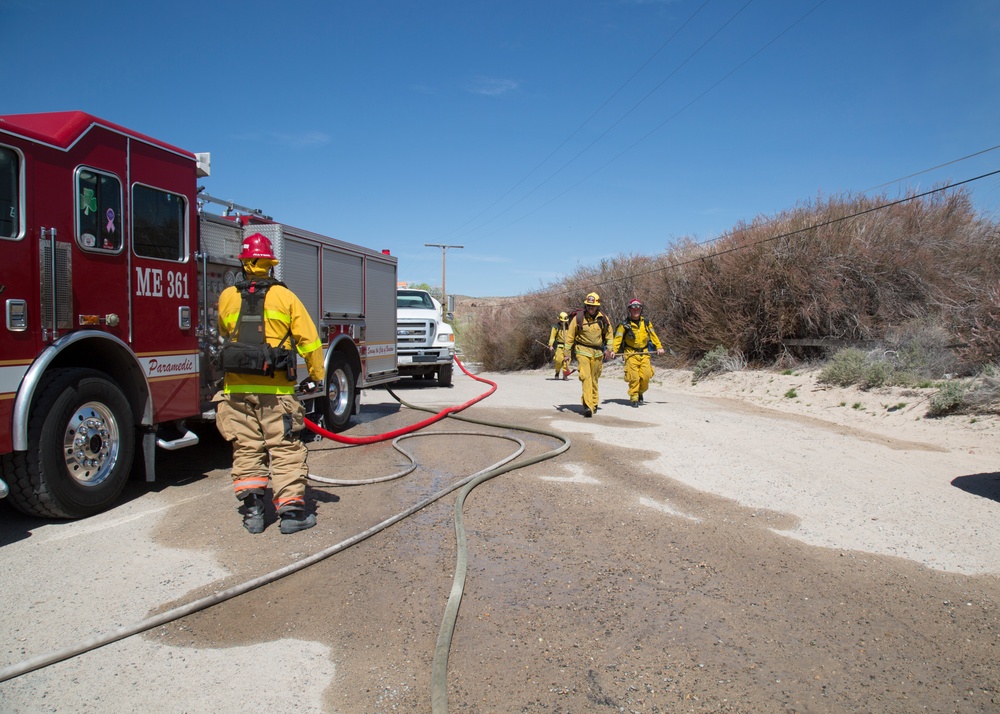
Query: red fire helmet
(257, 246)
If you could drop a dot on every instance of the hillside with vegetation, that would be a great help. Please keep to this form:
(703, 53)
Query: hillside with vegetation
(895, 292)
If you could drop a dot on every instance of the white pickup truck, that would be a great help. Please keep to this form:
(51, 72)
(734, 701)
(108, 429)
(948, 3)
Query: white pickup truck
(425, 343)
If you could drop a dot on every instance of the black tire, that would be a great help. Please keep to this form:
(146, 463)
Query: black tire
(81, 441)
(341, 391)
(444, 375)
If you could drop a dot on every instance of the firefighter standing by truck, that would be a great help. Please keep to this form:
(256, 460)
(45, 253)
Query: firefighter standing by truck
(559, 345)
(265, 325)
(632, 339)
(589, 335)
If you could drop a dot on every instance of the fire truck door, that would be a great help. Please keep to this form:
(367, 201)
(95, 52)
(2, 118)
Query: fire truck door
(164, 300)
(98, 269)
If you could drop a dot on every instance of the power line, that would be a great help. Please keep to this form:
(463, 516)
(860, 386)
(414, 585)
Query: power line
(824, 224)
(770, 239)
(933, 168)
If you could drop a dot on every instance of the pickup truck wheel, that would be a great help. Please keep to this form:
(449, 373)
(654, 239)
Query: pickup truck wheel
(444, 375)
(80, 447)
(340, 393)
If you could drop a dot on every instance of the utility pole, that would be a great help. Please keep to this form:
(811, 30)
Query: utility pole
(444, 291)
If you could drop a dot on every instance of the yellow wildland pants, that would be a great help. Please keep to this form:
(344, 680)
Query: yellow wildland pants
(638, 372)
(562, 359)
(590, 362)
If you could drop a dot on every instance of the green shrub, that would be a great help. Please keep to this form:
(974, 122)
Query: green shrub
(845, 368)
(949, 399)
(983, 392)
(718, 360)
(877, 373)
(869, 370)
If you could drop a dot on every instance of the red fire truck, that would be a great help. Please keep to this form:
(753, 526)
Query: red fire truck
(112, 267)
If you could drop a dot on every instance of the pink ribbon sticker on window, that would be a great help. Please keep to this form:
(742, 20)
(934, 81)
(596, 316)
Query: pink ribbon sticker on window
(110, 228)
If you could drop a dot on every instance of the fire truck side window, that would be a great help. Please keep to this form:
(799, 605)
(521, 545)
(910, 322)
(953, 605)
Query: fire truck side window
(98, 211)
(158, 223)
(10, 221)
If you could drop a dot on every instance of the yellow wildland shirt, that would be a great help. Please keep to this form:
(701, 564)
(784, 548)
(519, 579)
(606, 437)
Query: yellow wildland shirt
(635, 336)
(558, 336)
(592, 334)
(282, 311)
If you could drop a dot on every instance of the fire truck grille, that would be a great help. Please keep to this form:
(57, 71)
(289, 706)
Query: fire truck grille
(63, 299)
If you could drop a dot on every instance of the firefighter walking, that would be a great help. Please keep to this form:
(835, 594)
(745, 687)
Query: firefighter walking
(266, 324)
(632, 339)
(588, 337)
(558, 345)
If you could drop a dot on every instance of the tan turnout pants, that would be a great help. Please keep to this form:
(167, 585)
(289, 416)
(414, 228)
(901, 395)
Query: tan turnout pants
(264, 431)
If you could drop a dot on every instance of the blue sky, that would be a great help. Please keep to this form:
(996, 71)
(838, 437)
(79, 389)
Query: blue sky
(539, 135)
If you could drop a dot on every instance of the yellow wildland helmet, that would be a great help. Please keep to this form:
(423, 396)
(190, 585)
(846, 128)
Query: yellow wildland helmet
(592, 299)
(563, 316)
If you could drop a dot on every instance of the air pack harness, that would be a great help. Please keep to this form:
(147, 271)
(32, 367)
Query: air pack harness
(628, 334)
(249, 352)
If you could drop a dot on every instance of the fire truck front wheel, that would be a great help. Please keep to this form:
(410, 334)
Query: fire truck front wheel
(80, 447)
(340, 393)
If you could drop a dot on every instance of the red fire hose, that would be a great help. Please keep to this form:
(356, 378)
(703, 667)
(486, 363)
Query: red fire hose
(412, 427)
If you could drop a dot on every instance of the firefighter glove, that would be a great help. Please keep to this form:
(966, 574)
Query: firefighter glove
(307, 386)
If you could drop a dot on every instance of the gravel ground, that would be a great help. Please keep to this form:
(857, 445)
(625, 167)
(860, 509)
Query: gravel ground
(723, 548)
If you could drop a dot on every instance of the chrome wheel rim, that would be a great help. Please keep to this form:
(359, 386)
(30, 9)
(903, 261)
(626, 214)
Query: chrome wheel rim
(339, 392)
(91, 444)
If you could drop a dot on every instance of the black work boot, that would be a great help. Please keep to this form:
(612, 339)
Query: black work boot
(295, 521)
(253, 513)
(640, 398)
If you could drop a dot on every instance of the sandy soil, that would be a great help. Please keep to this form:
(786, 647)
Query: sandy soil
(726, 547)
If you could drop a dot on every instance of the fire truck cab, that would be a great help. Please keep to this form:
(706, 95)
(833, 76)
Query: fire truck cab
(110, 266)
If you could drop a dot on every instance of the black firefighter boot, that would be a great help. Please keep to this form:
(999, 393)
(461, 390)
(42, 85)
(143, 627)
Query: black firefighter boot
(253, 513)
(295, 521)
